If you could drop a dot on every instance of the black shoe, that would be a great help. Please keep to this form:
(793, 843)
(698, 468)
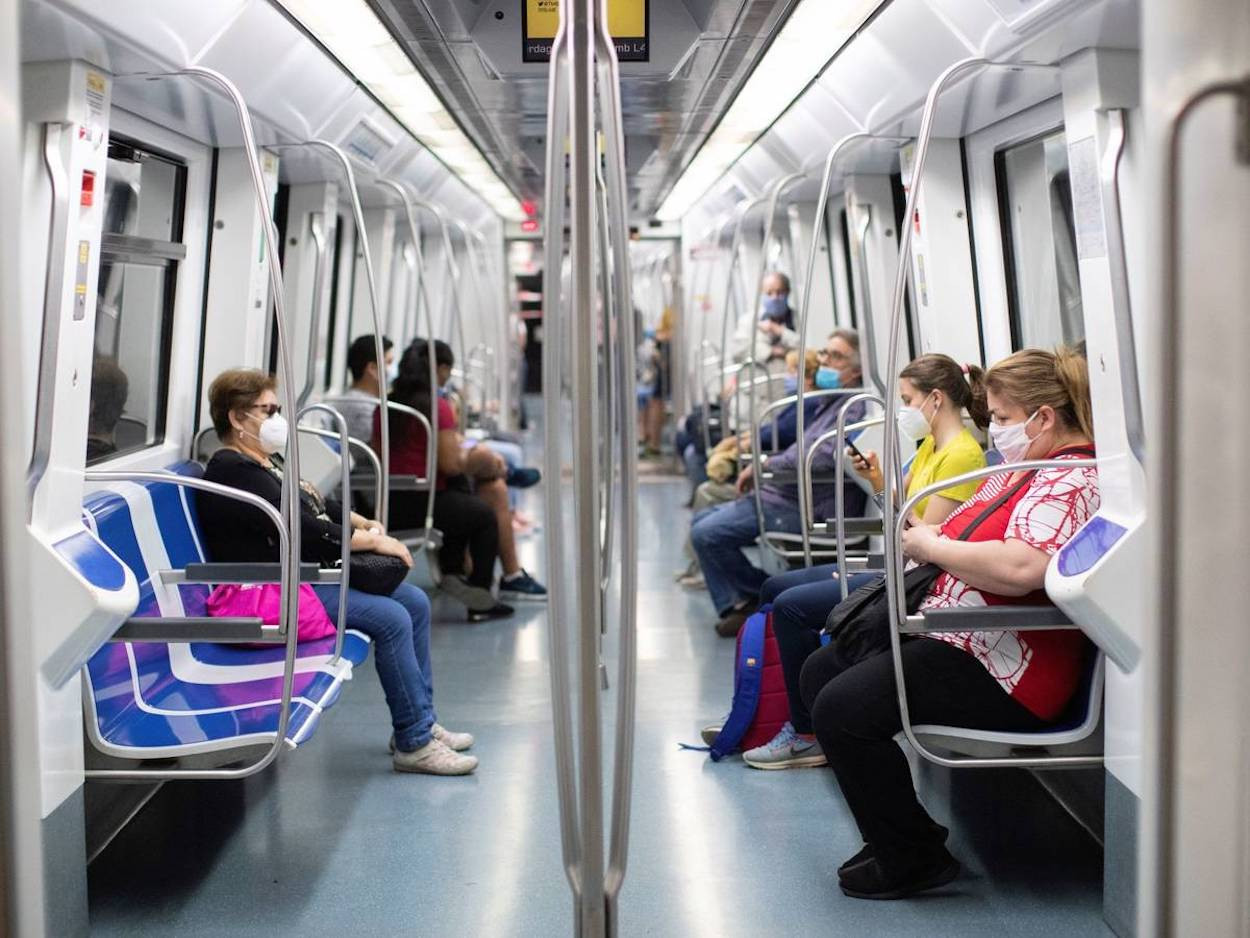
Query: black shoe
(872, 881)
(497, 611)
(732, 621)
(865, 854)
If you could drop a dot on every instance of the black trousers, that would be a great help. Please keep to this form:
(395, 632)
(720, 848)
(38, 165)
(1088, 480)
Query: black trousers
(855, 716)
(467, 523)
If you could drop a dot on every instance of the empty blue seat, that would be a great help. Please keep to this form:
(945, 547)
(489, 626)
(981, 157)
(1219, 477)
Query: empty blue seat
(153, 700)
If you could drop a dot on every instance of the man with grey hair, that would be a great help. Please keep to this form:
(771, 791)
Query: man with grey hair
(719, 534)
(766, 335)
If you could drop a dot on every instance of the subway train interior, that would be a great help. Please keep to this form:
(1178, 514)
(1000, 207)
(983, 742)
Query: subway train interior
(769, 467)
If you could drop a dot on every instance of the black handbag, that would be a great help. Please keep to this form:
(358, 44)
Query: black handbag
(859, 626)
(371, 572)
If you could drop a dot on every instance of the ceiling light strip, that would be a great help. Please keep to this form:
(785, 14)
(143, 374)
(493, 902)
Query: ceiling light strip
(365, 47)
(808, 41)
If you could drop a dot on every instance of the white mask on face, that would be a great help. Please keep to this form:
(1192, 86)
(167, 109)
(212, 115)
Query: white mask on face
(1012, 441)
(273, 434)
(392, 372)
(912, 422)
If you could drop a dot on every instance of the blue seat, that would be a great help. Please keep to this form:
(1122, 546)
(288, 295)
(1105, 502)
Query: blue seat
(148, 700)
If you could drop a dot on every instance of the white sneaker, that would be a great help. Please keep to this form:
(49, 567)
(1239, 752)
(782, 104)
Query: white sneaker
(457, 742)
(434, 758)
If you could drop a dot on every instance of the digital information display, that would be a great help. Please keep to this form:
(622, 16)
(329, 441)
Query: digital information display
(629, 22)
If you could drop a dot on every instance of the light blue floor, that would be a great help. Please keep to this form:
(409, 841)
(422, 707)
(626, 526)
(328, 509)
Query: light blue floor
(333, 842)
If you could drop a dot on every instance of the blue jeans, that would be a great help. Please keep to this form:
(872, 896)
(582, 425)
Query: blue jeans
(399, 625)
(719, 534)
(801, 602)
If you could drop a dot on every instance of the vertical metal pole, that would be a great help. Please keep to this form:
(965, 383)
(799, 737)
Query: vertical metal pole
(618, 231)
(583, 156)
(553, 427)
(316, 224)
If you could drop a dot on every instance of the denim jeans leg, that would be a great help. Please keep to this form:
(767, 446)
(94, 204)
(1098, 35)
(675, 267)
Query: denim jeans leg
(718, 536)
(392, 625)
(774, 586)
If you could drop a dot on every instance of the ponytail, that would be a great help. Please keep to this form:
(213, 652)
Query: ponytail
(963, 385)
(1035, 378)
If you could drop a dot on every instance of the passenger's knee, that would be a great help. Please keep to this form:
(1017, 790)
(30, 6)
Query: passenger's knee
(414, 600)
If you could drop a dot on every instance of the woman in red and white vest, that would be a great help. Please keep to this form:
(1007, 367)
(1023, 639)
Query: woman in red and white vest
(1013, 681)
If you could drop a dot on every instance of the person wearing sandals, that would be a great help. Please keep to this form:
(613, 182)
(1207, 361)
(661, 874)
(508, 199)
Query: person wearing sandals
(252, 430)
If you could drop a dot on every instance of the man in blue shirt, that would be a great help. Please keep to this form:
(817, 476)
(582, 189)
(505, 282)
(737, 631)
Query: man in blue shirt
(719, 534)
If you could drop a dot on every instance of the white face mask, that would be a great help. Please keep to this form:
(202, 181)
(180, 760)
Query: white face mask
(392, 372)
(273, 434)
(1012, 441)
(912, 422)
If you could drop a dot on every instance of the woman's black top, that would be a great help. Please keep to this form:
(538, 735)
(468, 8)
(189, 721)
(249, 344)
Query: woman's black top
(235, 532)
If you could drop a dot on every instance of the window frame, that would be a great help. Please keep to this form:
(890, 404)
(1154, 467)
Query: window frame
(182, 341)
(989, 242)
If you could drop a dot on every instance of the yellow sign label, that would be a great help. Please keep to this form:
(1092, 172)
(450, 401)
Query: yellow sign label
(627, 20)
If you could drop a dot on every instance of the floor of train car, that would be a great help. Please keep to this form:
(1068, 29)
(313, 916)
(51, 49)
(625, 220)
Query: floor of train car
(333, 841)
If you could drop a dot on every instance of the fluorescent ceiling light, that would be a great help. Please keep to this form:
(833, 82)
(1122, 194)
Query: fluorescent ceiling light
(808, 40)
(358, 39)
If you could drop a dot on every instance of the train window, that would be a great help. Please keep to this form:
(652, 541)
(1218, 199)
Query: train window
(1039, 242)
(139, 255)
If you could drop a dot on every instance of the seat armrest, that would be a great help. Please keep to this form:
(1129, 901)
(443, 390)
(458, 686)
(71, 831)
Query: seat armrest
(988, 619)
(245, 573)
(223, 630)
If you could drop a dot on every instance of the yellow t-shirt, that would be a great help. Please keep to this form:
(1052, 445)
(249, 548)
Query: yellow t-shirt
(960, 455)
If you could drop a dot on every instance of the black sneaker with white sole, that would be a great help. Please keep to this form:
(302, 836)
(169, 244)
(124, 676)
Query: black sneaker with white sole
(521, 587)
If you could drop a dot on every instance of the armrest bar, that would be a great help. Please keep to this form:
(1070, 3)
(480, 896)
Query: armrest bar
(245, 573)
(222, 630)
(853, 526)
(988, 619)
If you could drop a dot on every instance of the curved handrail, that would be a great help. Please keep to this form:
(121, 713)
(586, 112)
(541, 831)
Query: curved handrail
(822, 207)
(345, 483)
(58, 233)
(553, 340)
(414, 235)
(362, 234)
(1121, 304)
(837, 433)
(891, 454)
(316, 225)
(288, 616)
(353, 444)
(839, 467)
(770, 217)
(898, 617)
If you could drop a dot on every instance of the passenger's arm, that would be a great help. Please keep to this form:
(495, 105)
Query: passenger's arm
(937, 509)
(1008, 568)
(450, 453)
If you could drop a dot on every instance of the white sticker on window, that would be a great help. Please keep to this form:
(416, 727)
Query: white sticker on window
(1091, 237)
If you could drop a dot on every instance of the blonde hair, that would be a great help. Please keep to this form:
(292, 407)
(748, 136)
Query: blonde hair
(1036, 378)
(811, 362)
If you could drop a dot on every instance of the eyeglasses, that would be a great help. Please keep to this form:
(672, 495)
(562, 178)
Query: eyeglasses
(825, 355)
(269, 409)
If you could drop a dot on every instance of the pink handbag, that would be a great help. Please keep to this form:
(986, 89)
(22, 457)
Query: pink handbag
(263, 601)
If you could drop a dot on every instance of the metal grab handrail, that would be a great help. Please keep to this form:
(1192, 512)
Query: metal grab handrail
(611, 113)
(317, 231)
(358, 217)
(345, 482)
(352, 444)
(822, 208)
(423, 299)
(899, 619)
(607, 470)
(731, 295)
(860, 250)
(1168, 499)
(58, 233)
(770, 216)
(891, 453)
(1121, 303)
(837, 433)
(839, 467)
(553, 339)
(287, 619)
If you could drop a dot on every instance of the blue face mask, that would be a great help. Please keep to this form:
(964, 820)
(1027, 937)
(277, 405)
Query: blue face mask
(775, 307)
(828, 379)
(791, 383)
